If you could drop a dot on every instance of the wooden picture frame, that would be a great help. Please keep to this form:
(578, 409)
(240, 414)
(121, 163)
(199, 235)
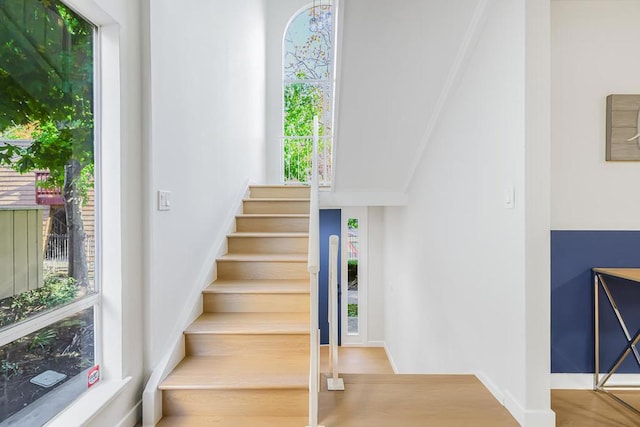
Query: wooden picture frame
(623, 128)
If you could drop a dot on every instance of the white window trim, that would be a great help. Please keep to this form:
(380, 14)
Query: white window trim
(108, 312)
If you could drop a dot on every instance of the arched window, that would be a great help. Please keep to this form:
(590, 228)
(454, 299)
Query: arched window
(308, 90)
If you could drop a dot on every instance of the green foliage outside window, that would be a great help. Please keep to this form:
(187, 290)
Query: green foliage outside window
(302, 101)
(46, 86)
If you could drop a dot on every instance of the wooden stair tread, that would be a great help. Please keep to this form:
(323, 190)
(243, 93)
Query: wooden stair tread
(268, 234)
(250, 323)
(239, 372)
(272, 215)
(265, 257)
(266, 286)
(279, 186)
(277, 199)
(219, 421)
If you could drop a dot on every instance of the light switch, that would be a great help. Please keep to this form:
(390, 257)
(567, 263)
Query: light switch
(509, 197)
(164, 200)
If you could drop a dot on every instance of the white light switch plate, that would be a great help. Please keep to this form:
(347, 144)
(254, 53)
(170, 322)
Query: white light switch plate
(164, 200)
(509, 197)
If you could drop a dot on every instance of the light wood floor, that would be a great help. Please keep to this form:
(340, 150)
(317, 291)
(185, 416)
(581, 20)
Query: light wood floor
(357, 360)
(587, 408)
(573, 408)
(374, 396)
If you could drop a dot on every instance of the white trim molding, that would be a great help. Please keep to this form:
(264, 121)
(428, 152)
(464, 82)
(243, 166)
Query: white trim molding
(329, 199)
(390, 357)
(489, 385)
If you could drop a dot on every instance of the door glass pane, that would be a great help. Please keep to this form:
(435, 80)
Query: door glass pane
(352, 276)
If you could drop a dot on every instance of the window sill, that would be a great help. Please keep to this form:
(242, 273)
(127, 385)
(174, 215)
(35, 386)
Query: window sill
(89, 404)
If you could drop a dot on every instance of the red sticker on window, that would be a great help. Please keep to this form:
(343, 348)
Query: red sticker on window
(93, 376)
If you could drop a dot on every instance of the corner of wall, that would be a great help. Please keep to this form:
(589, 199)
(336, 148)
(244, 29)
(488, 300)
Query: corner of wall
(528, 418)
(390, 357)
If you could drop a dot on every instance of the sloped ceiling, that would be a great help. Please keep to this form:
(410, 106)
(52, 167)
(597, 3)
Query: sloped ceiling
(396, 60)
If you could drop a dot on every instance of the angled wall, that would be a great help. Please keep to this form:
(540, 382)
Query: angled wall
(394, 62)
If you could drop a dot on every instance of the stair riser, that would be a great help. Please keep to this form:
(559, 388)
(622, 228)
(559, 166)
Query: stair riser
(280, 192)
(229, 345)
(244, 224)
(262, 270)
(273, 402)
(270, 245)
(275, 207)
(270, 303)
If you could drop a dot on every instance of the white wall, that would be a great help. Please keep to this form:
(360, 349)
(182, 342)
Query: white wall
(395, 60)
(455, 273)
(375, 282)
(594, 54)
(207, 141)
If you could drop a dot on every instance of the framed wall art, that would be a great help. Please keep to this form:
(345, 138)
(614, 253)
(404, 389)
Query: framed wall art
(623, 128)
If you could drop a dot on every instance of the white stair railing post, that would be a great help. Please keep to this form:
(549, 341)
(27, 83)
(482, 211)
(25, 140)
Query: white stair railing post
(333, 383)
(313, 267)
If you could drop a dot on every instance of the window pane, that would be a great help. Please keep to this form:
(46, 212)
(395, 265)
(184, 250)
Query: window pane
(47, 236)
(44, 361)
(308, 45)
(303, 101)
(352, 276)
(297, 159)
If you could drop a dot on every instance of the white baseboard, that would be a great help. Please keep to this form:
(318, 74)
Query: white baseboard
(528, 418)
(390, 357)
(493, 389)
(375, 344)
(585, 381)
(132, 416)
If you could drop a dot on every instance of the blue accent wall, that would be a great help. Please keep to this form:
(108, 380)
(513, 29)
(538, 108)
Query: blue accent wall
(573, 255)
(330, 224)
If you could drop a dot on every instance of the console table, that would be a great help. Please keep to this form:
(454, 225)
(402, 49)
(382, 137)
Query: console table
(600, 382)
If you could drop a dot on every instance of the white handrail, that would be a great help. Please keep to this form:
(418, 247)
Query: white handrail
(313, 267)
(333, 383)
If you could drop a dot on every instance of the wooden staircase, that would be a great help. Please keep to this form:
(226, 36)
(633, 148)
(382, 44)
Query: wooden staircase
(247, 355)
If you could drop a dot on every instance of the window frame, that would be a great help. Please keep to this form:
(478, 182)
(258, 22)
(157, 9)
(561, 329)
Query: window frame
(108, 323)
(330, 81)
